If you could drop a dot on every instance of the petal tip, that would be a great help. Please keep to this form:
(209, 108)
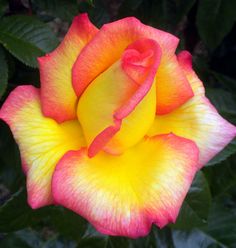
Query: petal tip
(185, 59)
(16, 99)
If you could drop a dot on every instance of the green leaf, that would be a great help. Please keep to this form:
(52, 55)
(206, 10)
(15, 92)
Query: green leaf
(3, 7)
(157, 238)
(29, 238)
(222, 224)
(195, 209)
(98, 13)
(68, 223)
(59, 242)
(225, 81)
(15, 213)
(94, 239)
(194, 239)
(10, 170)
(117, 242)
(160, 238)
(26, 38)
(130, 5)
(95, 242)
(183, 7)
(3, 72)
(219, 233)
(163, 14)
(26, 238)
(214, 20)
(63, 9)
(224, 101)
(223, 177)
(228, 151)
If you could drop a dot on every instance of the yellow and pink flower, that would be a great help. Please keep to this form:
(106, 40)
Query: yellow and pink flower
(118, 129)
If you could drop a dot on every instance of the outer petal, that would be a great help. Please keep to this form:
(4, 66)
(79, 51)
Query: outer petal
(124, 195)
(118, 107)
(57, 94)
(185, 62)
(173, 88)
(41, 140)
(108, 45)
(197, 119)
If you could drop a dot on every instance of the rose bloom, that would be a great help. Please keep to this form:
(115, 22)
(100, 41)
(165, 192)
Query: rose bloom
(118, 129)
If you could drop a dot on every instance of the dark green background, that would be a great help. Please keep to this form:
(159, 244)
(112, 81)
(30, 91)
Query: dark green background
(206, 29)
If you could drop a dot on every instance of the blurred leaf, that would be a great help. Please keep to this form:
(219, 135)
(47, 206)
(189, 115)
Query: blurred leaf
(156, 239)
(104, 241)
(224, 154)
(26, 238)
(3, 7)
(160, 238)
(98, 12)
(130, 5)
(225, 81)
(10, 170)
(26, 38)
(90, 2)
(194, 239)
(29, 238)
(215, 19)
(220, 231)
(3, 72)
(93, 238)
(24, 73)
(63, 9)
(58, 242)
(10, 64)
(201, 67)
(183, 7)
(15, 213)
(163, 14)
(222, 224)
(224, 101)
(196, 206)
(95, 242)
(68, 223)
(222, 177)
(140, 242)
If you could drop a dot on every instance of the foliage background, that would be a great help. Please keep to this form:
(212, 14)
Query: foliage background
(207, 28)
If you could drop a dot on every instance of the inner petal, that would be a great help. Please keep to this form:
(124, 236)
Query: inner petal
(121, 196)
(118, 100)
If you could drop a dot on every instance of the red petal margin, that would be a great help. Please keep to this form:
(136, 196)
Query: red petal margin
(57, 95)
(197, 119)
(173, 88)
(42, 141)
(124, 195)
(132, 68)
(109, 44)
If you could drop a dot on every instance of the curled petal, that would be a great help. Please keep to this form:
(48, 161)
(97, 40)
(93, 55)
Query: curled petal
(57, 94)
(185, 62)
(41, 140)
(108, 45)
(173, 88)
(121, 196)
(118, 107)
(197, 119)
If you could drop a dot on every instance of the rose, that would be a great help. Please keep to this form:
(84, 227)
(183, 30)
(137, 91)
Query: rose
(118, 128)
